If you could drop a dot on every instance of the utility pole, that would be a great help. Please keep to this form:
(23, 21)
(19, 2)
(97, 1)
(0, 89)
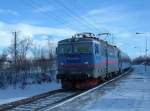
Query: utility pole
(15, 46)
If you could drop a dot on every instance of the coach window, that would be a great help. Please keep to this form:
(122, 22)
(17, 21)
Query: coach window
(96, 49)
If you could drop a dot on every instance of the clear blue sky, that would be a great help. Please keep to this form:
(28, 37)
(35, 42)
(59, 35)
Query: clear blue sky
(58, 19)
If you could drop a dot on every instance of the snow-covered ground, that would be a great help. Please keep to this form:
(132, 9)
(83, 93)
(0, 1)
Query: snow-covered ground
(130, 93)
(10, 94)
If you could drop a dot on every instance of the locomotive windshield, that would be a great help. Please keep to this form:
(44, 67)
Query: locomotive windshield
(82, 48)
(65, 49)
(74, 48)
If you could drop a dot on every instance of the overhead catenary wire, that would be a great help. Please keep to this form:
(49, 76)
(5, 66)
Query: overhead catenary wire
(90, 19)
(76, 16)
(51, 14)
(85, 20)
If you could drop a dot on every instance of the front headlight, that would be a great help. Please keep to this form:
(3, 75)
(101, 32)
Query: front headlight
(86, 62)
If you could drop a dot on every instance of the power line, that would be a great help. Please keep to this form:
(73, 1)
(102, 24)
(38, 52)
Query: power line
(35, 5)
(89, 17)
(49, 15)
(75, 16)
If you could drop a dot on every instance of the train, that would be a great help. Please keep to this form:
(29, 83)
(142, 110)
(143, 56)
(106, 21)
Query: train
(85, 61)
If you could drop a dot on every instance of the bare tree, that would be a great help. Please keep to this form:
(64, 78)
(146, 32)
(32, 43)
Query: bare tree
(22, 49)
(50, 49)
(51, 53)
(21, 67)
(3, 60)
(18, 51)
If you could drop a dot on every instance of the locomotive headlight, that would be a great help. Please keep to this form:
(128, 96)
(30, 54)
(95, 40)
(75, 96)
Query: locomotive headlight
(86, 62)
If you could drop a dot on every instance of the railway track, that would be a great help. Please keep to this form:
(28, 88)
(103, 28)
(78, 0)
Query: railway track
(40, 101)
(45, 102)
(50, 100)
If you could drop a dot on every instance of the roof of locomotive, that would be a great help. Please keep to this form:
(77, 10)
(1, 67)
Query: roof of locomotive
(79, 37)
(86, 37)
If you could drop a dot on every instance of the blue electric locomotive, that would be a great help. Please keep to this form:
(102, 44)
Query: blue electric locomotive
(84, 61)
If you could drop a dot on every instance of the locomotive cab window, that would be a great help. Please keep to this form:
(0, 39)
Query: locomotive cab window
(65, 49)
(82, 48)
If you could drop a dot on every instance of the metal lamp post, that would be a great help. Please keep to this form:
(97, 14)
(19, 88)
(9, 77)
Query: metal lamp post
(145, 50)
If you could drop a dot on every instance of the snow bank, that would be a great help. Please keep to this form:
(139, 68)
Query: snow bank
(10, 94)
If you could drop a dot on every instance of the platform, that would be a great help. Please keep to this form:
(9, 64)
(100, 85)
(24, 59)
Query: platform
(130, 93)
